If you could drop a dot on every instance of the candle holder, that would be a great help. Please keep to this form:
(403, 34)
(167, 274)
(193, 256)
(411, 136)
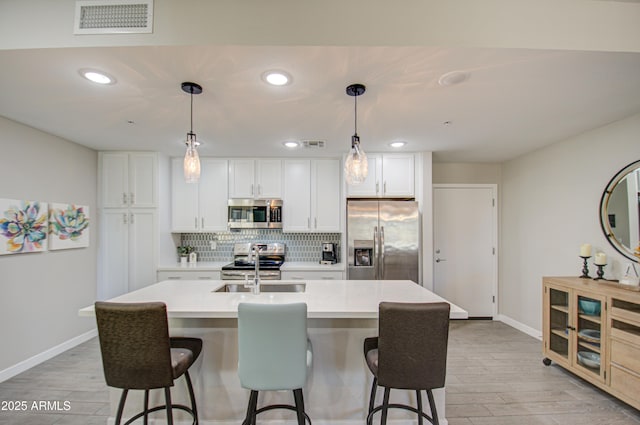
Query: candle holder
(600, 271)
(585, 267)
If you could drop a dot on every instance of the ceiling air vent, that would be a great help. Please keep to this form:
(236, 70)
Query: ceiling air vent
(113, 17)
(313, 144)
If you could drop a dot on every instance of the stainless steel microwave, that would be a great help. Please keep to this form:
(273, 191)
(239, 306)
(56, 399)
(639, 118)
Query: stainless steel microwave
(255, 214)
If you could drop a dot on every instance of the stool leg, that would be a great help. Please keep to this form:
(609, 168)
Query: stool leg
(432, 406)
(385, 404)
(372, 397)
(146, 407)
(192, 397)
(250, 418)
(123, 398)
(419, 399)
(167, 397)
(299, 399)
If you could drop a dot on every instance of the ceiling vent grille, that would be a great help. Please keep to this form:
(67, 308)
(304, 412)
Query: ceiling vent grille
(313, 144)
(113, 17)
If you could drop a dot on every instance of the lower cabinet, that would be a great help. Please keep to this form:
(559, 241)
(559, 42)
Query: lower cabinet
(311, 275)
(593, 330)
(188, 275)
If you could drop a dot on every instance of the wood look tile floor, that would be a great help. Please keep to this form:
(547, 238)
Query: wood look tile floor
(495, 376)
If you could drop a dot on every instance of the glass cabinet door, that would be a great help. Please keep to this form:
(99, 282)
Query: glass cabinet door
(558, 324)
(588, 330)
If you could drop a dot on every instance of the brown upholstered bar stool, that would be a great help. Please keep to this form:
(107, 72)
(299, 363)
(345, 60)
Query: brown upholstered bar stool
(138, 354)
(410, 353)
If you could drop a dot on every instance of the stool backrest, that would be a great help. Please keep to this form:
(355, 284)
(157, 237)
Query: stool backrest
(135, 346)
(272, 346)
(412, 345)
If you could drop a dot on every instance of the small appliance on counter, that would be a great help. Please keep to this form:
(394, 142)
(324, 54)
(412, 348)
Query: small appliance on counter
(329, 253)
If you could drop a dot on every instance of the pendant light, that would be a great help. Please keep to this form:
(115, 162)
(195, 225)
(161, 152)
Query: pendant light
(191, 158)
(356, 167)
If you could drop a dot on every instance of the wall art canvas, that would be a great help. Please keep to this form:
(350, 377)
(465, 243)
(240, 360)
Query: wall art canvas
(68, 226)
(23, 226)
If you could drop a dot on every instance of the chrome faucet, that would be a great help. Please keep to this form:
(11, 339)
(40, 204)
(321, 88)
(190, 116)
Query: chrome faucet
(255, 256)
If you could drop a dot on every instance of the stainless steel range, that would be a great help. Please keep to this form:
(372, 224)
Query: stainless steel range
(270, 257)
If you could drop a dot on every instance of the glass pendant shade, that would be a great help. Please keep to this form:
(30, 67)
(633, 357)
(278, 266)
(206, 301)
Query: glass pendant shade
(356, 167)
(191, 160)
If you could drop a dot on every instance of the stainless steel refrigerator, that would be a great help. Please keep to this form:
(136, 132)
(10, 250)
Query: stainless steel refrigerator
(383, 240)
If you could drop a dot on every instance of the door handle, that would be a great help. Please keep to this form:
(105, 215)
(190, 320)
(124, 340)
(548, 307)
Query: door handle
(381, 252)
(440, 259)
(375, 252)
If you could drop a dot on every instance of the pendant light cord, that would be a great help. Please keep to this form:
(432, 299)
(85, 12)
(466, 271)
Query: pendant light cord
(355, 120)
(191, 109)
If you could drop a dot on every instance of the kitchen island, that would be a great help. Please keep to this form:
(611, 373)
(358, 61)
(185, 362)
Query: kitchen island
(341, 314)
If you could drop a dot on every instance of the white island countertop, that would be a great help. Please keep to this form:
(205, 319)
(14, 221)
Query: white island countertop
(334, 299)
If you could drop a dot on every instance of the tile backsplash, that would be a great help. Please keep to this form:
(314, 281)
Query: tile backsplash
(300, 246)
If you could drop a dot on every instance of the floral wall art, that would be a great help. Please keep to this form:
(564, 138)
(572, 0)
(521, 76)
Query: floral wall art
(68, 226)
(23, 226)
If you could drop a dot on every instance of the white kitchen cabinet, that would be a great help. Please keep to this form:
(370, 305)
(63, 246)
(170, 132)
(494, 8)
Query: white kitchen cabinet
(188, 275)
(128, 179)
(202, 206)
(311, 195)
(390, 176)
(255, 178)
(311, 275)
(128, 246)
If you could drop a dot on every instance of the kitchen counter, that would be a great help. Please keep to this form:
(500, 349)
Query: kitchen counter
(337, 299)
(311, 266)
(205, 266)
(341, 314)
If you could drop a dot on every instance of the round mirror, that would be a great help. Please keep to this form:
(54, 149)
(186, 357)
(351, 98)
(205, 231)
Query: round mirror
(620, 210)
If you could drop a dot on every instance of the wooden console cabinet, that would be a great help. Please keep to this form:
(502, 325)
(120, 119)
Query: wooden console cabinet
(570, 334)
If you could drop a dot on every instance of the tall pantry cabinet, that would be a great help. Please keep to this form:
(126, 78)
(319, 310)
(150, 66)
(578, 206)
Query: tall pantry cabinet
(128, 222)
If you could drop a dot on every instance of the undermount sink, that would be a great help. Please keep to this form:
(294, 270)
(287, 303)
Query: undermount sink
(265, 287)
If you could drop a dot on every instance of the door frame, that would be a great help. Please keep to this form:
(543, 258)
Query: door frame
(494, 235)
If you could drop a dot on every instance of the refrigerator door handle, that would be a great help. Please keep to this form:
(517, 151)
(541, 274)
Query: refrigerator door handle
(381, 252)
(375, 252)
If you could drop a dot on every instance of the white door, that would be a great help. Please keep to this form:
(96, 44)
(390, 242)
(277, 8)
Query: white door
(325, 195)
(465, 251)
(213, 197)
(296, 196)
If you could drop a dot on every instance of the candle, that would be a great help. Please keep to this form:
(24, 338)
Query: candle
(585, 250)
(601, 259)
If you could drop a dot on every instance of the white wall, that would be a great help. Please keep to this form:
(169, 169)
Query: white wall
(550, 205)
(40, 293)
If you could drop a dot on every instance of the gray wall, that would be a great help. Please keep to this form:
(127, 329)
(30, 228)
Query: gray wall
(550, 202)
(40, 293)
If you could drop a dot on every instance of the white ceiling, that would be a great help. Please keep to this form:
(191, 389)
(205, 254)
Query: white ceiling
(515, 100)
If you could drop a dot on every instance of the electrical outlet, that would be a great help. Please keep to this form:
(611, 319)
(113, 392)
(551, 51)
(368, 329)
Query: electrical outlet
(213, 244)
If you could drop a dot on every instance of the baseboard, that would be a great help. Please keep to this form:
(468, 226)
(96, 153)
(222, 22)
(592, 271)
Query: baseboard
(519, 326)
(16, 369)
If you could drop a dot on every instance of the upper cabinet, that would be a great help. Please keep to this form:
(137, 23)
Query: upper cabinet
(390, 176)
(128, 179)
(311, 195)
(202, 206)
(255, 178)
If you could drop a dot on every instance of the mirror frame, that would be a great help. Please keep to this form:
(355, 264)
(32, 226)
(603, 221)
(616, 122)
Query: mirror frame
(628, 252)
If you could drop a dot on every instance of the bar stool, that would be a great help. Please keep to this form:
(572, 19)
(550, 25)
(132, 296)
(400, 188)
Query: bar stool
(273, 354)
(409, 353)
(138, 354)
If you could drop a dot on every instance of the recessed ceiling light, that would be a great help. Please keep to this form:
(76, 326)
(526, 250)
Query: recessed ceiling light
(277, 78)
(397, 144)
(98, 77)
(452, 78)
(291, 144)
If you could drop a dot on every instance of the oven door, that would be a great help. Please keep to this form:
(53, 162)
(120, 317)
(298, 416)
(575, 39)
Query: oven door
(249, 274)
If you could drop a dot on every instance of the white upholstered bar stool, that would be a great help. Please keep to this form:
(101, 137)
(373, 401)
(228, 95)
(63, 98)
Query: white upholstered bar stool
(273, 354)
